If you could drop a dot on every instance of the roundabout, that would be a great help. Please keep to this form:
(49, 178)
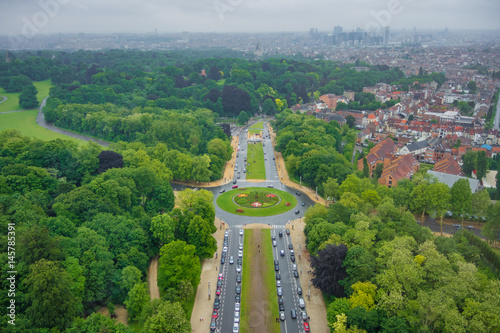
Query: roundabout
(256, 201)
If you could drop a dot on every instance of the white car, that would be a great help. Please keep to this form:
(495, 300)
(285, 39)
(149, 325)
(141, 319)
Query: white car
(294, 266)
(236, 316)
(240, 254)
(238, 269)
(231, 260)
(275, 244)
(236, 328)
(241, 232)
(278, 283)
(237, 306)
(224, 249)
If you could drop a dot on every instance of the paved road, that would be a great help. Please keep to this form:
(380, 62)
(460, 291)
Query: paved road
(496, 121)
(40, 120)
(4, 98)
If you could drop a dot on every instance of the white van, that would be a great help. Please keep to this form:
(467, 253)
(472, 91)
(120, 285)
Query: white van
(302, 304)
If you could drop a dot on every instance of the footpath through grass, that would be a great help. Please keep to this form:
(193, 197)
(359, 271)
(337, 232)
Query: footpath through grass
(270, 305)
(255, 157)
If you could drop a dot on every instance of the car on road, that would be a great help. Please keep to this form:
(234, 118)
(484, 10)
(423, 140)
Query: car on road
(218, 292)
(273, 238)
(238, 277)
(213, 324)
(238, 289)
(236, 328)
(224, 249)
(276, 265)
(292, 258)
(240, 261)
(238, 269)
(296, 212)
(288, 233)
(222, 191)
(280, 233)
(270, 186)
(236, 316)
(303, 204)
(293, 313)
(217, 303)
(281, 304)
(237, 306)
(278, 283)
(234, 181)
(240, 247)
(241, 232)
(278, 276)
(274, 243)
(219, 283)
(215, 313)
(282, 315)
(470, 227)
(238, 177)
(303, 313)
(234, 186)
(273, 159)
(298, 193)
(221, 277)
(222, 260)
(294, 267)
(231, 260)
(299, 291)
(240, 254)
(290, 246)
(282, 253)
(296, 274)
(306, 327)
(279, 291)
(237, 298)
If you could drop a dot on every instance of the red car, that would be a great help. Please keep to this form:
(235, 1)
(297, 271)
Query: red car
(306, 327)
(235, 186)
(215, 313)
(219, 290)
(221, 276)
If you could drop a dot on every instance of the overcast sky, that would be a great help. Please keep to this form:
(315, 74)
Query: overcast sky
(105, 16)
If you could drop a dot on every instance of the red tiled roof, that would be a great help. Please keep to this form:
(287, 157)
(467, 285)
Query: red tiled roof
(448, 165)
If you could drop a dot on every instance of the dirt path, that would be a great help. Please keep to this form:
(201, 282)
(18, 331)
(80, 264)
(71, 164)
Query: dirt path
(315, 307)
(154, 291)
(120, 312)
(258, 306)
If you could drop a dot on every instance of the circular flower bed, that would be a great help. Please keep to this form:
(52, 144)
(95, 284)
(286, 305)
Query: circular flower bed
(256, 199)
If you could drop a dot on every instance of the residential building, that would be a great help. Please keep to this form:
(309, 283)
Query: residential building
(397, 168)
(381, 151)
(449, 180)
(448, 165)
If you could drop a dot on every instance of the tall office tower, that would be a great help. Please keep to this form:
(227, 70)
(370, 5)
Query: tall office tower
(387, 35)
(337, 30)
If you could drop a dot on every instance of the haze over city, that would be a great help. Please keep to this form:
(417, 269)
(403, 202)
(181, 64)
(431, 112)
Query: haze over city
(113, 16)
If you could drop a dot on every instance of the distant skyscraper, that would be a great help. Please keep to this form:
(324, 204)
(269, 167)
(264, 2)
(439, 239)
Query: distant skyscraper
(337, 30)
(387, 35)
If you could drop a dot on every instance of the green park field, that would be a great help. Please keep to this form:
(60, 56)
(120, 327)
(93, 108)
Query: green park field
(12, 102)
(256, 168)
(225, 201)
(256, 128)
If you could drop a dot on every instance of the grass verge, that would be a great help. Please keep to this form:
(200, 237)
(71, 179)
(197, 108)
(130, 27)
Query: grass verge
(257, 168)
(258, 125)
(270, 280)
(25, 122)
(225, 201)
(246, 281)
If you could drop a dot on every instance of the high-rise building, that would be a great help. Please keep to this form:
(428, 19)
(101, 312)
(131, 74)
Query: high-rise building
(387, 35)
(337, 30)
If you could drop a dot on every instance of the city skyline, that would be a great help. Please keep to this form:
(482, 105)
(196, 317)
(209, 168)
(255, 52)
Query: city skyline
(29, 18)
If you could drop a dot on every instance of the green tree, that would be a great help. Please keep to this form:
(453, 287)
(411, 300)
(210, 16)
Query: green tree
(200, 235)
(330, 188)
(163, 228)
(472, 85)
(178, 262)
(366, 168)
(469, 162)
(166, 317)
(360, 266)
(201, 168)
(377, 173)
(364, 295)
(350, 121)
(481, 164)
(421, 199)
(52, 303)
(461, 198)
(97, 322)
(243, 118)
(130, 277)
(137, 299)
(27, 98)
(441, 201)
(268, 107)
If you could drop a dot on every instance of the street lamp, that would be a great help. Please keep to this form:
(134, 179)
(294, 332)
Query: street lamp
(300, 245)
(309, 295)
(209, 290)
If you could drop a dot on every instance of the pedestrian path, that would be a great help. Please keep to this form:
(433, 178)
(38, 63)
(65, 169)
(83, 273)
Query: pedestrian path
(4, 98)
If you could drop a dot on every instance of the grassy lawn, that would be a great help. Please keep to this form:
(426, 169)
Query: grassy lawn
(225, 201)
(256, 128)
(26, 122)
(246, 281)
(12, 102)
(257, 168)
(270, 280)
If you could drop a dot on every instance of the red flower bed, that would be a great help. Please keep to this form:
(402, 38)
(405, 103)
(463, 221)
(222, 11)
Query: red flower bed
(239, 211)
(287, 204)
(270, 195)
